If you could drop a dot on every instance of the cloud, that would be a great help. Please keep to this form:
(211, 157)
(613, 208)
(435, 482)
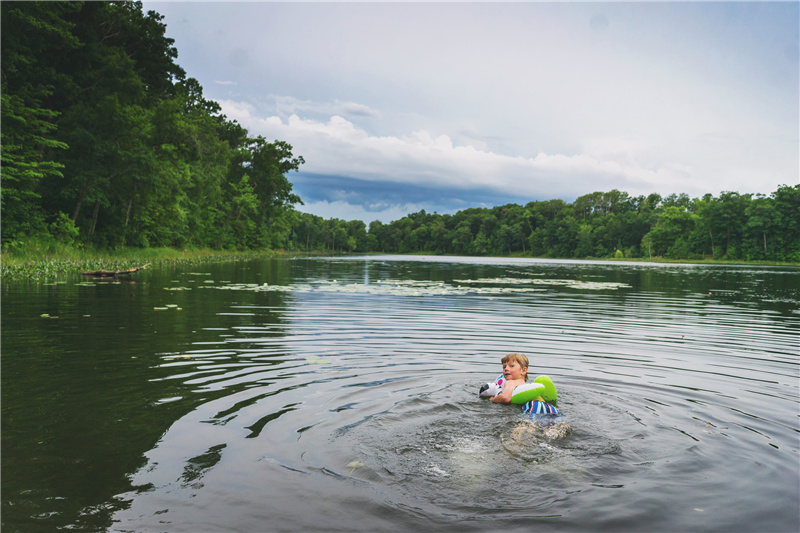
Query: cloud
(352, 108)
(338, 147)
(347, 211)
(239, 57)
(385, 199)
(286, 106)
(226, 82)
(598, 22)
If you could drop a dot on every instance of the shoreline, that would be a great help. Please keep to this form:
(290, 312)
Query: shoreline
(42, 265)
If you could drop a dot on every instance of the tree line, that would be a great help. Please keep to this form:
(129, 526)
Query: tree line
(107, 143)
(731, 226)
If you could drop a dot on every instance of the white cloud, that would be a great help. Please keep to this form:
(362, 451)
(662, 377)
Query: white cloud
(347, 211)
(288, 105)
(339, 147)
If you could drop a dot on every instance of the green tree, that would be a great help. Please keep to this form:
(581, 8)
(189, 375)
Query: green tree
(673, 224)
(585, 247)
(357, 231)
(731, 217)
(118, 75)
(31, 32)
(763, 220)
(705, 236)
(502, 240)
(377, 233)
(786, 201)
(100, 123)
(462, 238)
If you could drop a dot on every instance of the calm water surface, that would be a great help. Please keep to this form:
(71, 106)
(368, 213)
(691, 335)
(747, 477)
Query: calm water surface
(341, 395)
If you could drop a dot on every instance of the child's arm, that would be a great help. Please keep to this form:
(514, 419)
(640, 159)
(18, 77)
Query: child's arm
(505, 396)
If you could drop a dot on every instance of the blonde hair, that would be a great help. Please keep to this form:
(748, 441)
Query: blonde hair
(518, 358)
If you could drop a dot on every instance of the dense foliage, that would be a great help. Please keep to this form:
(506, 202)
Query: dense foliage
(107, 143)
(602, 224)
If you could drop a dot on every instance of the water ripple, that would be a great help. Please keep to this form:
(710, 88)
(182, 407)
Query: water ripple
(363, 395)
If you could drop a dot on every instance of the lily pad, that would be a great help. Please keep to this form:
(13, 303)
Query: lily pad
(352, 465)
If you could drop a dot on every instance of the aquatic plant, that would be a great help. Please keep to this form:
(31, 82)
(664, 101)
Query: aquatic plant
(47, 264)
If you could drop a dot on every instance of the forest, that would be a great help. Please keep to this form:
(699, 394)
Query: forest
(106, 143)
(732, 227)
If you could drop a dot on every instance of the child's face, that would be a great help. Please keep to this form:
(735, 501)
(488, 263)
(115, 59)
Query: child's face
(512, 370)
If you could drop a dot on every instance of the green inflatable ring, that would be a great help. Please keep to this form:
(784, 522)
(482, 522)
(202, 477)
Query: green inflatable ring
(542, 387)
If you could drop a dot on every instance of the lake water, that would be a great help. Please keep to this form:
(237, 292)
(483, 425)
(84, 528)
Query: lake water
(340, 394)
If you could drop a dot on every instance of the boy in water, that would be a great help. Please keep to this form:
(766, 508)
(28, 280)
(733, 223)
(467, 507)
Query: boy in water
(515, 372)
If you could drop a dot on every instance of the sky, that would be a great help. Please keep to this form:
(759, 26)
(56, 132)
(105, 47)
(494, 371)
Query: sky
(442, 106)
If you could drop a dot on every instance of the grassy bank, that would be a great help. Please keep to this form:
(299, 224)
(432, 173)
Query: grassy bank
(41, 262)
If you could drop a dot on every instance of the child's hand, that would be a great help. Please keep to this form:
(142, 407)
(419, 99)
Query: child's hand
(504, 396)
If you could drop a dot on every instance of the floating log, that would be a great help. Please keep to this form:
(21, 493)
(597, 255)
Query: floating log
(113, 273)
